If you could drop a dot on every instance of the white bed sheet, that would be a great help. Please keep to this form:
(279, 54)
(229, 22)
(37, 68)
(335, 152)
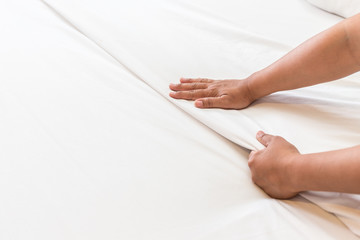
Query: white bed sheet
(160, 41)
(89, 151)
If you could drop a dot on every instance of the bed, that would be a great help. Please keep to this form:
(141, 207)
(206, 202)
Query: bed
(92, 146)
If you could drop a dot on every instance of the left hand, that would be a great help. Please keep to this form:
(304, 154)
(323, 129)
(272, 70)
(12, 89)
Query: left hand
(272, 167)
(208, 93)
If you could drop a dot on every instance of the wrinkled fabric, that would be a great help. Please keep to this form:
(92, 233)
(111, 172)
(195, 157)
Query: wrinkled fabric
(344, 8)
(92, 147)
(230, 40)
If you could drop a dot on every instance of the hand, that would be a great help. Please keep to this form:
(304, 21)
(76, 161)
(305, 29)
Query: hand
(228, 94)
(271, 167)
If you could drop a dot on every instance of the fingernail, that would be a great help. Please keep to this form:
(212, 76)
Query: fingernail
(260, 134)
(199, 104)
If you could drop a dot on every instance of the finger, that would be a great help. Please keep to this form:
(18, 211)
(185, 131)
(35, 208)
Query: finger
(190, 95)
(251, 158)
(252, 154)
(264, 138)
(194, 80)
(188, 86)
(212, 102)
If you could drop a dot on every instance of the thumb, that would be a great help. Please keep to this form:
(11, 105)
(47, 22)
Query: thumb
(211, 102)
(264, 138)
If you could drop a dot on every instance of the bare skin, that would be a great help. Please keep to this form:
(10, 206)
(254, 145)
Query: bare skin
(227, 94)
(282, 172)
(279, 169)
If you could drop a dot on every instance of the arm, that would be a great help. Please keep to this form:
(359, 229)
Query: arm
(281, 171)
(330, 55)
(335, 171)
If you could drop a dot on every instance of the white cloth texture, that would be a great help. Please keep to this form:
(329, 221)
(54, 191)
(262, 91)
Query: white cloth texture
(92, 147)
(344, 8)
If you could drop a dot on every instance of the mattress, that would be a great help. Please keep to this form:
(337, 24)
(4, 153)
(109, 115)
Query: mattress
(92, 147)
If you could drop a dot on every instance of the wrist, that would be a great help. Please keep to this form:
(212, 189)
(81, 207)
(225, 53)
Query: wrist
(256, 87)
(297, 173)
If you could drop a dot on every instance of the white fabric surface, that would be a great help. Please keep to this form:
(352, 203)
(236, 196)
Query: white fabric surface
(163, 41)
(344, 8)
(90, 151)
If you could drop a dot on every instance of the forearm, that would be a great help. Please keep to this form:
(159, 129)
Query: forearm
(330, 55)
(335, 171)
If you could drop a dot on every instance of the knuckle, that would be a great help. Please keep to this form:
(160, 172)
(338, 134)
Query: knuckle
(277, 138)
(282, 139)
(212, 86)
(213, 92)
(206, 103)
(255, 159)
(251, 162)
(191, 93)
(219, 85)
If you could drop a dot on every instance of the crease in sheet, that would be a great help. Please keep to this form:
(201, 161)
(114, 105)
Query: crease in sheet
(144, 77)
(134, 67)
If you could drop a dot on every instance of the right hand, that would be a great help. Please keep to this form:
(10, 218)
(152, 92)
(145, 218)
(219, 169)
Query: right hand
(275, 168)
(207, 93)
